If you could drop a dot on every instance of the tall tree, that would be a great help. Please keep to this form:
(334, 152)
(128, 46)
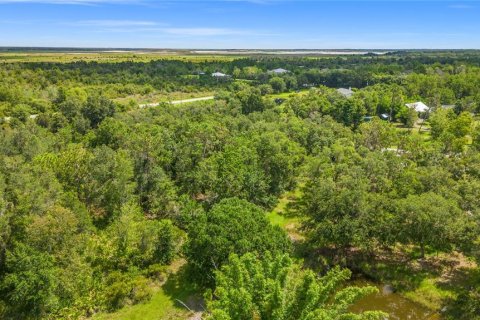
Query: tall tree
(274, 288)
(430, 220)
(231, 226)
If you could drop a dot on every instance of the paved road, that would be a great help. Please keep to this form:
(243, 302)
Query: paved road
(147, 105)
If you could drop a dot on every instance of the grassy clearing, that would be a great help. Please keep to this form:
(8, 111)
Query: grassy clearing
(284, 216)
(278, 215)
(160, 306)
(169, 301)
(287, 95)
(429, 294)
(418, 128)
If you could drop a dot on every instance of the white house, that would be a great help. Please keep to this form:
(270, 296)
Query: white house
(347, 93)
(219, 75)
(418, 106)
(278, 71)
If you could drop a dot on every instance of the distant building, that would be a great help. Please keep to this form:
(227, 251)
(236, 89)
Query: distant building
(219, 75)
(347, 93)
(278, 71)
(418, 106)
(448, 106)
(384, 116)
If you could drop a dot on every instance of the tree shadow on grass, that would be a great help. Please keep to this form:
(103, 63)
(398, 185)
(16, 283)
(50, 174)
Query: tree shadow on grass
(404, 270)
(465, 282)
(183, 292)
(434, 282)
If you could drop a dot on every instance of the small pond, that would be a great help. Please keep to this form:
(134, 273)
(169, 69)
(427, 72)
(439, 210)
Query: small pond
(397, 306)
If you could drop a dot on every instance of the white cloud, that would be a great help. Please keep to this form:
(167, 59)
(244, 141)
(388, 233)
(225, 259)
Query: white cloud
(146, 27)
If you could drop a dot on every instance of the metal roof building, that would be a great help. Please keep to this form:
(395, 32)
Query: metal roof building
(279, 71)
(418, 106)
(219, 75)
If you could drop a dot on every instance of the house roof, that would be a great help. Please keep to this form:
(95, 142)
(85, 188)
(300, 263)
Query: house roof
(345, 92)
(219, 74)
(418, 106)
(385, 116)
(279, 70)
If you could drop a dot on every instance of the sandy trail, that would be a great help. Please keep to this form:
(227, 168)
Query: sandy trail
(148, 105)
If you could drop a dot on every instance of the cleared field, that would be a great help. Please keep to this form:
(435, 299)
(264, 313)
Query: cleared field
(65, 57)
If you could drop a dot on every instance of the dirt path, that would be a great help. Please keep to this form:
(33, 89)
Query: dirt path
(148, 105)
(141, 106)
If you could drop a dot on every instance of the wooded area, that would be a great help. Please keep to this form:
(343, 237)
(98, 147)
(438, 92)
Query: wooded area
(100, 198)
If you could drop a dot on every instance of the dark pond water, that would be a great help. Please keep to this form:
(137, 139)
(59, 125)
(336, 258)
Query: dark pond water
(397, 306)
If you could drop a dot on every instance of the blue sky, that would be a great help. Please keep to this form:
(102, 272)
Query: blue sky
(265, 24)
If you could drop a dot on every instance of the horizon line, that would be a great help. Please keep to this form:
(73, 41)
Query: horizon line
(228, 49)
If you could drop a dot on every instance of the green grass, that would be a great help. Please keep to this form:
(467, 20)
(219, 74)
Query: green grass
(286, 95)
(277, 219)
(429, 294)
(165, 302)
(432, 282)
(161, 306)
(281, 215)
(278, 215)
(284, 216)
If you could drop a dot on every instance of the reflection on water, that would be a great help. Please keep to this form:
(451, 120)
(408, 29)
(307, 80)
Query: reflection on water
(398, 307)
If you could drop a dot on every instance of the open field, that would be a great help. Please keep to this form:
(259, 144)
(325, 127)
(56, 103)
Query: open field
(198, 56)
(108, 57)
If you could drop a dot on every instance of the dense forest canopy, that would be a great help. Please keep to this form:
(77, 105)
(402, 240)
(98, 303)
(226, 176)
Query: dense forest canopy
(100, 197)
